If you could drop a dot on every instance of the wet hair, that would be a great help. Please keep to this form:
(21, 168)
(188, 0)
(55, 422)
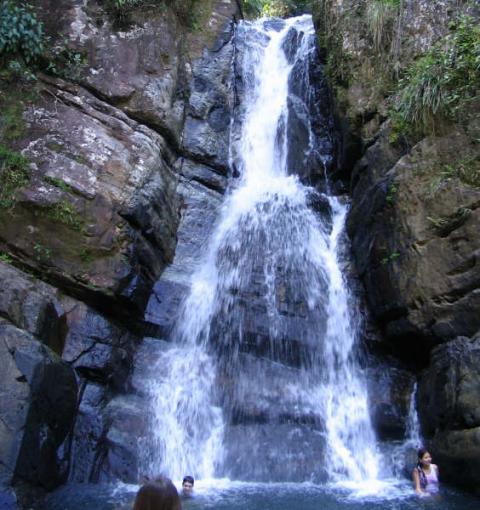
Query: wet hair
(160, 494)
(188, 479)
(421, 452)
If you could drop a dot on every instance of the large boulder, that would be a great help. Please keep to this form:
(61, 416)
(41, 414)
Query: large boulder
(413, 227)
(113, 210)
(36, 412)
(449, 409)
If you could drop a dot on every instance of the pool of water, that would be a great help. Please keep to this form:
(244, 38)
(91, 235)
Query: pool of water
(226, 495)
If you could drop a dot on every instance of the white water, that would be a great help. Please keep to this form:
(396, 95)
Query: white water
(266, 232)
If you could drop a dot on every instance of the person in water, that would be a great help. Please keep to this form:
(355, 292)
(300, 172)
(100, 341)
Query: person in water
(160, 494)
(425, 474)
(187, 486)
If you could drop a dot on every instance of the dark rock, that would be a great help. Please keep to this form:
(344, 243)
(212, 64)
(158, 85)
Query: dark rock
(199, 215)
(126, 421)
(303, 445)
(33, 306)
(449, 409)
(390, 391)
(420, 286)
(88, 431)
(37, 412)
(97, 349)
(206, 133)
(291, 44)
(310, 128)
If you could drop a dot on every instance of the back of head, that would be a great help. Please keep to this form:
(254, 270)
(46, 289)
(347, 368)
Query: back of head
(158, 495)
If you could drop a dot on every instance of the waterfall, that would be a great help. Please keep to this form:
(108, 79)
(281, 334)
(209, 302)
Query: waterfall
(404, 454)
(264, 344)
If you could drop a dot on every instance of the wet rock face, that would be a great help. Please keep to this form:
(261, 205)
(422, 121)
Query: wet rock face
(37, 411)
(122, 151)
(60, 421)
(310, 129)
(450, 409)
(390, 389)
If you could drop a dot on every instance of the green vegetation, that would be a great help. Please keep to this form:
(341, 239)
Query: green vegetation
(13, 125)
(65, 62)
(466, 169)
(280, 8)
(189, 12)
(14, 173)
(443, 226)
(42, 254)
(86, 256)
(390, 258)
(65, 212)
(441, 84)
(380, 16)
(21, 34)
(391, 193)
(58, 183)
(4, 257)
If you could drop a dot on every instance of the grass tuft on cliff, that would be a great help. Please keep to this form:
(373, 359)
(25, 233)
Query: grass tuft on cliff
(14, 174)
(441, 84)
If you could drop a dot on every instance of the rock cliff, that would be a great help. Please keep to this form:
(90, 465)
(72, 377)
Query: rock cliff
(123, 134)
(414, 218)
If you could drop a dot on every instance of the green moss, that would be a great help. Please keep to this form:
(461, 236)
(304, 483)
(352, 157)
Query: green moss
(86, 256)
(4, 257)
(391, 194)
(58, 183)
(466, 170)
(13, 125)
(390, 258)
(14, 174)
(65, 212)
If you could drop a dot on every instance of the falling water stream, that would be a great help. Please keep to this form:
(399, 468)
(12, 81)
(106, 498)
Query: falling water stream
(267, 237)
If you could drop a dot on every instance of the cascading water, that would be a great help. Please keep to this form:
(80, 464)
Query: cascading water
(268, 294)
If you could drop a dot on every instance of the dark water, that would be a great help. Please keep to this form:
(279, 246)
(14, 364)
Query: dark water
(223, 495)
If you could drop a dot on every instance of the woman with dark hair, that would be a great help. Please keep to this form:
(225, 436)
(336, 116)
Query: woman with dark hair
(160, 494)
(425, 474)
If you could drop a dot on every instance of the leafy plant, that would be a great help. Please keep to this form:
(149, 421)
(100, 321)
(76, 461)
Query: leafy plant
(20, 31)
(65, 62)
(14, 173)
(42, 253)
(64, 212)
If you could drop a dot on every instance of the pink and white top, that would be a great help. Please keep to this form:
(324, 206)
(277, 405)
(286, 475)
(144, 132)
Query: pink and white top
(432, 480)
